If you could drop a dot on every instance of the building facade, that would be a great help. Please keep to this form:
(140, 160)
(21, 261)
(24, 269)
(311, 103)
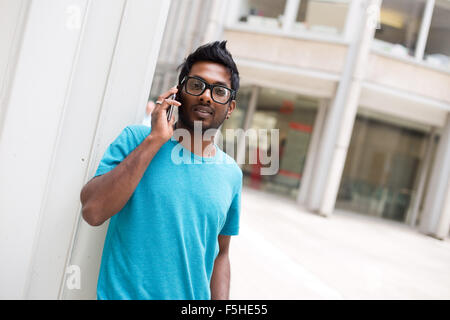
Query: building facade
(359, 90)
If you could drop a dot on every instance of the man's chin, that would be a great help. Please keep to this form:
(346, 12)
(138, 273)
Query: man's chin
(192, 122)
(206, 124)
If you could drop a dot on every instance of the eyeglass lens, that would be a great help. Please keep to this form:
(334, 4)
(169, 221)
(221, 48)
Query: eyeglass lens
(196, 87)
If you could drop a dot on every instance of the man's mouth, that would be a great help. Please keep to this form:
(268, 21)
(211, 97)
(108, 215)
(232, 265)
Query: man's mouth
(203, 110)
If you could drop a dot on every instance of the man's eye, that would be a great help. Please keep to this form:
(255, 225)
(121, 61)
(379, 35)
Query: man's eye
(196, 85)
(220, 91)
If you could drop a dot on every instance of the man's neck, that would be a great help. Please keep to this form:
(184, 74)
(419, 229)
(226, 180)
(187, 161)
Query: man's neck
(197, 140)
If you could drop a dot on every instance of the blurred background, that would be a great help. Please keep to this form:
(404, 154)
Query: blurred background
(360, 93)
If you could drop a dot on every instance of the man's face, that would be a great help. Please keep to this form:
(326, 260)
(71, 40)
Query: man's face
(203, 108)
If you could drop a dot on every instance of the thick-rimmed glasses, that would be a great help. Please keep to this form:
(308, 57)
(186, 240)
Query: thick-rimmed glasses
(196, 86)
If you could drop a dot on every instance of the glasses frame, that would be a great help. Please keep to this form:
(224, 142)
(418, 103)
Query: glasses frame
(208, 86)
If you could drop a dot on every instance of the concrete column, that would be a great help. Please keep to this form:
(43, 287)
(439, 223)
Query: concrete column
(240, 153)
(213, 28)
(424, 29)
(233, 9)
(424, 170)
(290, 14)
(12, 16)
(435, 219)
(353, 16)
(37, 92)
(177, 31)
(169, 32)
(341, 116)
(86, 75)
(443, 229)
(310, 167)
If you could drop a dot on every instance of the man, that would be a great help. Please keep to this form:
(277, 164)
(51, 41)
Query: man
(171, 222)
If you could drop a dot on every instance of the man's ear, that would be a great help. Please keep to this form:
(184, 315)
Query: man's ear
(231, 108)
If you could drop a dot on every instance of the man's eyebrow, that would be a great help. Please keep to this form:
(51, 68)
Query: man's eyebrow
(217, 82)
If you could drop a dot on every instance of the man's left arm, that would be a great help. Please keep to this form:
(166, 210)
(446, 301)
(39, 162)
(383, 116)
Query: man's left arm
(220, 279)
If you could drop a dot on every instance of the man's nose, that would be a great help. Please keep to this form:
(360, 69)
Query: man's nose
(206, 95)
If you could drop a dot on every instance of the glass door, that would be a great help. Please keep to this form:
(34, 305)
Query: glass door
(293, 115)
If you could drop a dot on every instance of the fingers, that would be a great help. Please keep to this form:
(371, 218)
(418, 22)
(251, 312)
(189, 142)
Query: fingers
(167, 94)
(169, 102)
(163, 103)
(163, 107)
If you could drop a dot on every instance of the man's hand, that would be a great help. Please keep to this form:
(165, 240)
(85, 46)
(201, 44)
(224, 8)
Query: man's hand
(162, 130)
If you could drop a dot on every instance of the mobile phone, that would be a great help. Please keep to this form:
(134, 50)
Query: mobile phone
(170, 110)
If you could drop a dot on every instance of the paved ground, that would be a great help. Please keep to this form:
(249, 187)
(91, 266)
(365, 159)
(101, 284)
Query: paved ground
(284, 252)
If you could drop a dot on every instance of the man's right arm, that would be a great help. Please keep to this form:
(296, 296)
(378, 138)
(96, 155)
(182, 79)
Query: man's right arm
(105, 195)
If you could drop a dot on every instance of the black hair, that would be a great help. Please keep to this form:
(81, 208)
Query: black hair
(214, 52)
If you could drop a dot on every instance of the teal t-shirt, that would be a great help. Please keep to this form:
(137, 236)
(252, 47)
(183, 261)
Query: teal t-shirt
(163, 243)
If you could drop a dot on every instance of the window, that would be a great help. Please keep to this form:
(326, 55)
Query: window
(382, 168)
(292, 17)
(262, 13)
(400, 22)
(325, 16)
(437, 51)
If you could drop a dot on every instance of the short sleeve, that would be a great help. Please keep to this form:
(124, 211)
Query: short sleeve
(231, 226)
(117, 151)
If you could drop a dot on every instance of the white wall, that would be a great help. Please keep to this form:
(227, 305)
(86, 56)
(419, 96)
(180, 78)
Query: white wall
(83, 72)
(12, 15)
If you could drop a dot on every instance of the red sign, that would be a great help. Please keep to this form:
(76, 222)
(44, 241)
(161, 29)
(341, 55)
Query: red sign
(300, 127)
